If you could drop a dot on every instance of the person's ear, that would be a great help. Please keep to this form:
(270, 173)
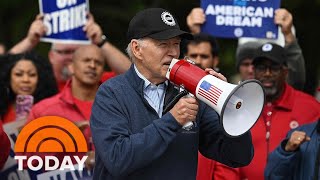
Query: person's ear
(136, 49)
(70, 68)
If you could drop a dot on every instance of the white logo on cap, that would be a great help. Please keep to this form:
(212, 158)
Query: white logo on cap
(267, 47)
(168, 19)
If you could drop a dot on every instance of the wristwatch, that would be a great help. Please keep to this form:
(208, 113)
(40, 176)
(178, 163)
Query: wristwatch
(104, 39)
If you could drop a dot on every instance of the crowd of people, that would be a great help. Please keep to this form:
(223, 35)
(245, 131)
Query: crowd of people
(124, 114)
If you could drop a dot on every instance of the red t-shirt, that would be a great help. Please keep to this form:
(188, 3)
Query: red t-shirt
(84, 107)
(105, 76)
(10, 116)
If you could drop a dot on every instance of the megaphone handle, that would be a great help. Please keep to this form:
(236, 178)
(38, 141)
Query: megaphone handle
(187, 126)
(170, 105)
(174, 101)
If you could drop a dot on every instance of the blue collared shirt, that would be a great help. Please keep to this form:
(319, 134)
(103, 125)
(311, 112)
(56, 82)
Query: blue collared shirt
(154, 94)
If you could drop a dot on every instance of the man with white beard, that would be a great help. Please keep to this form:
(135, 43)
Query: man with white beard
(285, 108)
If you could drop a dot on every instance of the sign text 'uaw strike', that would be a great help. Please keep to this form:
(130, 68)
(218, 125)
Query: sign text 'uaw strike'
(64, 20)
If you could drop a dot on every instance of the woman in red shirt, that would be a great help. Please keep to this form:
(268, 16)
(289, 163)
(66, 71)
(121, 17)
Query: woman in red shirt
(24, 74)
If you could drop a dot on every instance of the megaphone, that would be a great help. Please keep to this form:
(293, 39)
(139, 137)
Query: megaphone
(239, 106)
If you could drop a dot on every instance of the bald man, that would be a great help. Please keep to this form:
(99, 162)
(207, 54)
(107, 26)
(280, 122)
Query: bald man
(74, 102)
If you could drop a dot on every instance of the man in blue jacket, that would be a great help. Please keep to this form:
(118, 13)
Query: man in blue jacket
(136, 136)
(298, 156)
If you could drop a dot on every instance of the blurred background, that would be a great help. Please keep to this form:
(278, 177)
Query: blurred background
(114, 16)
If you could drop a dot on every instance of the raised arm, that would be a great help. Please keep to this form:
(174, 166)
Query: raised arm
(36, 31)
(116, 60)
(284, 159)
(195, 19)
(295, 60)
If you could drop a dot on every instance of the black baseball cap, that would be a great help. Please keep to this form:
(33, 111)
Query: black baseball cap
(156, 23)
(271, 51)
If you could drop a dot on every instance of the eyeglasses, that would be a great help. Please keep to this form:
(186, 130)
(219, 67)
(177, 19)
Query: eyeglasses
(262, 68)
(202, 56)
(64, 52)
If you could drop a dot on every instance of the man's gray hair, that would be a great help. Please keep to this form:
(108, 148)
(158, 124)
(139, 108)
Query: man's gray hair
(129, 50)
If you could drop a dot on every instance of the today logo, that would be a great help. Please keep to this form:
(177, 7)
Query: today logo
(50, 134)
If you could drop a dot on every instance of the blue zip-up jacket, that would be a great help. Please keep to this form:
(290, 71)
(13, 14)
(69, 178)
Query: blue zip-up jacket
(297, 165)
(132, 142)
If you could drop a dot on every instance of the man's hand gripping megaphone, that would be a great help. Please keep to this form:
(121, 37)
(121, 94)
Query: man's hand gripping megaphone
(186, 109)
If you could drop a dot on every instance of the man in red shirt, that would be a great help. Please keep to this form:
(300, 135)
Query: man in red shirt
(285, 108)
(209, 169)
(74, 102)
